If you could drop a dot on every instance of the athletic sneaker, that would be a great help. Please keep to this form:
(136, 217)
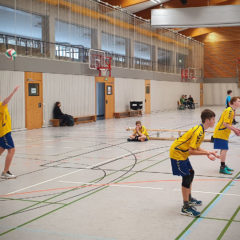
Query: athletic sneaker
(195, 202)
(7, 175)
(225, 171)
(190, 211)
(228, 168)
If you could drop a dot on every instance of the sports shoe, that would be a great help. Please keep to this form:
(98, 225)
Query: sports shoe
(225, 171)
(228, 168)
(7, 175)
(195, 202)
(190, 211)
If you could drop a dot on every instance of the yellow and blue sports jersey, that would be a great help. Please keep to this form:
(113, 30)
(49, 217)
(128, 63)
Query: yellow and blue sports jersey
(143, 130)
(221, 131)
(191, 139)
(5, 120)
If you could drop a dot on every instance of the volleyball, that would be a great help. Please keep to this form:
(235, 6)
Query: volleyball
(11, 54)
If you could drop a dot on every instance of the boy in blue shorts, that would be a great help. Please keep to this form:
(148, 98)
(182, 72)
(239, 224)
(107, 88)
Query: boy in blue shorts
(189, 144)
(222, 132)
(6, 141)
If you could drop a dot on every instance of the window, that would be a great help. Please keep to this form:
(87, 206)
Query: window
(72, 40)
(70, 34)
(164, 57)
(181, 60)
(142, 51)
(113, 44)
(20, 23)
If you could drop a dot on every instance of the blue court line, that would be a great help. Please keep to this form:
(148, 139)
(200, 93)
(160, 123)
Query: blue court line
(205, 212)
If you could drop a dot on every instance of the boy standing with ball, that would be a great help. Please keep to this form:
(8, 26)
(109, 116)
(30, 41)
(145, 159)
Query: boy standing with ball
(6, 141)
(223, 131)
(189, 144)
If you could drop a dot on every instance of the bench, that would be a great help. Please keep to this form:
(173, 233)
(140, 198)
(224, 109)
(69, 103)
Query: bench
(131, 113)
(77, 120)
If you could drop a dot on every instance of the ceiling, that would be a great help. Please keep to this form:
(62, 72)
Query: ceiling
(142, 8)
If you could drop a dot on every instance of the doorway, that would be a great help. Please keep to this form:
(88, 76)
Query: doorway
(33, 100)
(100, 96)
(147, 96)
(109, 96)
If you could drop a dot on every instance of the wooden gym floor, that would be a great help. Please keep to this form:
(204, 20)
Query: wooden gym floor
(88, 183)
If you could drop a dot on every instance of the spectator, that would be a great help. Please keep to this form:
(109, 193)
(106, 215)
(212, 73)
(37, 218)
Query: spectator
(65, 119)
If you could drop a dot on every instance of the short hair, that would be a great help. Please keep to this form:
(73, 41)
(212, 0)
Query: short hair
(207, 114)
(138, 122)
(233, 100)
(229, 92)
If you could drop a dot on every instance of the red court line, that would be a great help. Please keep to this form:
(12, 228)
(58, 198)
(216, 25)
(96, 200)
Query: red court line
(120, 183)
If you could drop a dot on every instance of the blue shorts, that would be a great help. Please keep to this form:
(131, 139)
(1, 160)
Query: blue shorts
(6, 142)
(220, 144)
(181, 167)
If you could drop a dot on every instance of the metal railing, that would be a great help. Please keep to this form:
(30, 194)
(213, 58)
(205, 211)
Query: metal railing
(77, 53)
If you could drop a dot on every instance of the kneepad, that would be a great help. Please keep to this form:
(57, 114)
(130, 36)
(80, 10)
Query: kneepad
(186, 181)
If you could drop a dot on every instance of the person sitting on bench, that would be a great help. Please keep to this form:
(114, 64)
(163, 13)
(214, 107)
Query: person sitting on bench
(191, 104)
(140, 133)
(65, 119)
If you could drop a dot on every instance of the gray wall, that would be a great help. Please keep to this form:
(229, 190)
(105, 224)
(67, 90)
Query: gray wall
(35, 64)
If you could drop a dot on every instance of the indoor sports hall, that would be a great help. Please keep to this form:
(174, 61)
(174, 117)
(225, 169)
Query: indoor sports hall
(76, 77)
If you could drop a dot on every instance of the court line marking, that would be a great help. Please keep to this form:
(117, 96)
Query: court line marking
(124, 184)
(67, 174)
(192, 225)
(67, 204)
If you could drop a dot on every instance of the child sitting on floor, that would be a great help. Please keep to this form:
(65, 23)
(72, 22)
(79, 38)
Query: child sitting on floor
(140, 133)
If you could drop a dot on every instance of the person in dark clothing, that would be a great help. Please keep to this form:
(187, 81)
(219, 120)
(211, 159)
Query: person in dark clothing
(190, 101)
(65, 119)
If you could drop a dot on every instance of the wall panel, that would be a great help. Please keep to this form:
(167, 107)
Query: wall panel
(164, 95)
(75, 92)
(215, 93)
(127, 90)
(8, 80)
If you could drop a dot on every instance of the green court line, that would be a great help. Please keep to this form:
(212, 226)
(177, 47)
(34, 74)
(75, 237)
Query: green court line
(228, 224)
(195, 219)
(28, 200)
(219, 219)
(58, 195)
(70, 203)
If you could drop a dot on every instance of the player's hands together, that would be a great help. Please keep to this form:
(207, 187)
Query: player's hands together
(213, 155)
(237, 132)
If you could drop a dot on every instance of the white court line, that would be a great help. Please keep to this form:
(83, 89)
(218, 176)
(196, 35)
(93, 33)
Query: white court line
(154, 188)
(64, 175)
(113, 185)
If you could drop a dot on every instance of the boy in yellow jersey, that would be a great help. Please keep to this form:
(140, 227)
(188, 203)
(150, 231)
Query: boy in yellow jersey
(222, 132)
(6, 141)
(189, 144)
(140, 133)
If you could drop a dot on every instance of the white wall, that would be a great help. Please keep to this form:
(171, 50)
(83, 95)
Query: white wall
(127, 90)
(215, 93)
(164, 95)
(16, 107)
(75, 92)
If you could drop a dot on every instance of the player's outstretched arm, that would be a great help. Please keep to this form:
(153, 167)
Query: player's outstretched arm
(199, 151)
(7, 99)
(235, 130)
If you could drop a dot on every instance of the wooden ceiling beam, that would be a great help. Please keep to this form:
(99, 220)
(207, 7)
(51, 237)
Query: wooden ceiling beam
(195, 32)
(125, 3)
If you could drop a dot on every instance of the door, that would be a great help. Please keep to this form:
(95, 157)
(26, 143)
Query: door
(147, 96)
(33, 100)
(201, 94)
(100, 96)
(109, 95)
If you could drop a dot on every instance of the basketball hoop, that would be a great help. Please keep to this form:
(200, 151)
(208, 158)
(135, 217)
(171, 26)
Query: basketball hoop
(98, 61)
(103, 72)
